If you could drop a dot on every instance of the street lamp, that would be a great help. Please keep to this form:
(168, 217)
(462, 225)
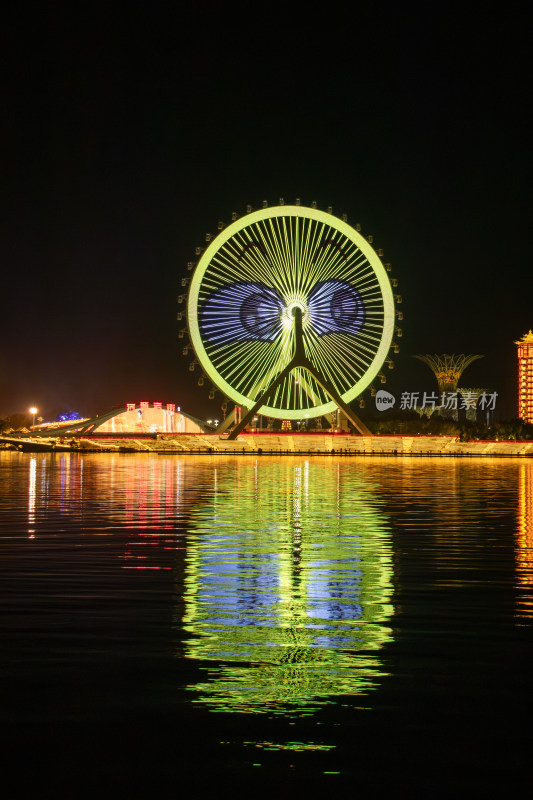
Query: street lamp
(33, 412)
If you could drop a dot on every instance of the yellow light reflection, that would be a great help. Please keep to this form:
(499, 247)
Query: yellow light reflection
(524, 542)
(288, 587)
(31, 497)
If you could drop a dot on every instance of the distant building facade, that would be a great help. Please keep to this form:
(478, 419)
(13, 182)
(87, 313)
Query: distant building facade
(147, 417)
(143, 418)
(525, 377)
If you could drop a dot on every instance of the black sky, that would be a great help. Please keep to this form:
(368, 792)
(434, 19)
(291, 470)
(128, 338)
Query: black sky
(128, 131)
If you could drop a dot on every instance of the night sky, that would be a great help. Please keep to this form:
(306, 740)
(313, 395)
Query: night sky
(129, 130)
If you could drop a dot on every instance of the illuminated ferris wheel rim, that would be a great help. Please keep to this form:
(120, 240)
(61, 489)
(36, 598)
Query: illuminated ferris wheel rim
(337, 225)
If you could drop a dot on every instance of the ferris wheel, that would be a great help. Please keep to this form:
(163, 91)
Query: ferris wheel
(291, 313)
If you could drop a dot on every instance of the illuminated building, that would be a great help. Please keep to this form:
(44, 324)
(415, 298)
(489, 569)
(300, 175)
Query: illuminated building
(141, 418)
(147, 417)
(525, 377)
(470, 398)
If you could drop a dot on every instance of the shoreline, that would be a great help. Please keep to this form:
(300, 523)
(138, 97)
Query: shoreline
(276, 444)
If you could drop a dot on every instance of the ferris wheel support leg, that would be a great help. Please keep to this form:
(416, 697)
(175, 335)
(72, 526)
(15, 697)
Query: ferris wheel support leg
(223, 427)
(328, 388)
(261, 402)
(299, 359)
(358, 424)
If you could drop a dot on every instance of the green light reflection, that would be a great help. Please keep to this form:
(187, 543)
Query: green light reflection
(288, 586)
(296, 746)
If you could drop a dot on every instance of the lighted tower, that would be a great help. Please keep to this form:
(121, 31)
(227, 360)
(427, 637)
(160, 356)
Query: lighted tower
(525, 377)
(448, 370)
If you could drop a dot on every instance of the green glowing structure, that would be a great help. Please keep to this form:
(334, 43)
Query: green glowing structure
(290, 314)
(448, 369)
(470, 397)
(288, 587)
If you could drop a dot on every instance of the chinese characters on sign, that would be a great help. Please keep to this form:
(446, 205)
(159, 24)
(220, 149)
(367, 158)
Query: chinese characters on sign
(157, 404)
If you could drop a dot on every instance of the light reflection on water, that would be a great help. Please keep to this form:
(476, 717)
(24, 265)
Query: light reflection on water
(282, 574)
(524, 543)
(288, 586)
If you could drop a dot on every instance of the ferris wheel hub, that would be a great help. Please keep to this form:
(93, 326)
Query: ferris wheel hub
(292, 309)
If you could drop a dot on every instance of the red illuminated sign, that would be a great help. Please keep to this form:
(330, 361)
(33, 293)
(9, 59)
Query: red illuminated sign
(157, 404)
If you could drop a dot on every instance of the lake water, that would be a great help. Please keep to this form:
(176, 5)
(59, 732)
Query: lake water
(275, 621)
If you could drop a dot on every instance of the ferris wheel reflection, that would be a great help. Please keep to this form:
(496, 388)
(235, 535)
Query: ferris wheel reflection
(288, 587)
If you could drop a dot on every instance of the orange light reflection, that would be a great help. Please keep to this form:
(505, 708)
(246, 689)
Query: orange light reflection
(524, 543)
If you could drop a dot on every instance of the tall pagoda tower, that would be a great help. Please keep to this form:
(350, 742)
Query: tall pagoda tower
(525, 377)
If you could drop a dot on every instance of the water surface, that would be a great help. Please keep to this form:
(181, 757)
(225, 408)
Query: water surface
(319, 620)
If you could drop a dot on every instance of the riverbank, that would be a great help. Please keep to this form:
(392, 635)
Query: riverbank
(281, 444)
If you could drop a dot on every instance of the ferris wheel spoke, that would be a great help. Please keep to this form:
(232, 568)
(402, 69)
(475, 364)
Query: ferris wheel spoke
(256, 262)
(305, 384)
(278, 274)
(306, 256)
(270, 374)
(353, 364)
(284, 256)
(333, 375)
(243, 370)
